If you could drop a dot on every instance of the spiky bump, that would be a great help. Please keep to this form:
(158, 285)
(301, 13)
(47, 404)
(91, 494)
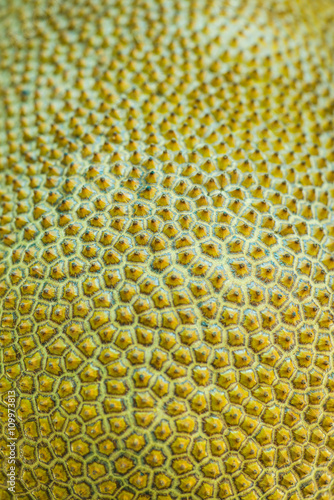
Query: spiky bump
(166, 247)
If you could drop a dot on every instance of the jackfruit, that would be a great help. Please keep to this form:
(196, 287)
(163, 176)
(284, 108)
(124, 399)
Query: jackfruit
(167, 249)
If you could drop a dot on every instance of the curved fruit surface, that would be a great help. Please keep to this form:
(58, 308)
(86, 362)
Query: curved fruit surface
(167, 248)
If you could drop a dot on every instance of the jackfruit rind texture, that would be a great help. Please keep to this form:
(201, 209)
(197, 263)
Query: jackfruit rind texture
(167, 248)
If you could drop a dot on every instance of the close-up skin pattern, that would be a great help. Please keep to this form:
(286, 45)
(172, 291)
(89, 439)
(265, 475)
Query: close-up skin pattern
(167, 249)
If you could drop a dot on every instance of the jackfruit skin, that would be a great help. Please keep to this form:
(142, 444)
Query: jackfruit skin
(166, 244)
